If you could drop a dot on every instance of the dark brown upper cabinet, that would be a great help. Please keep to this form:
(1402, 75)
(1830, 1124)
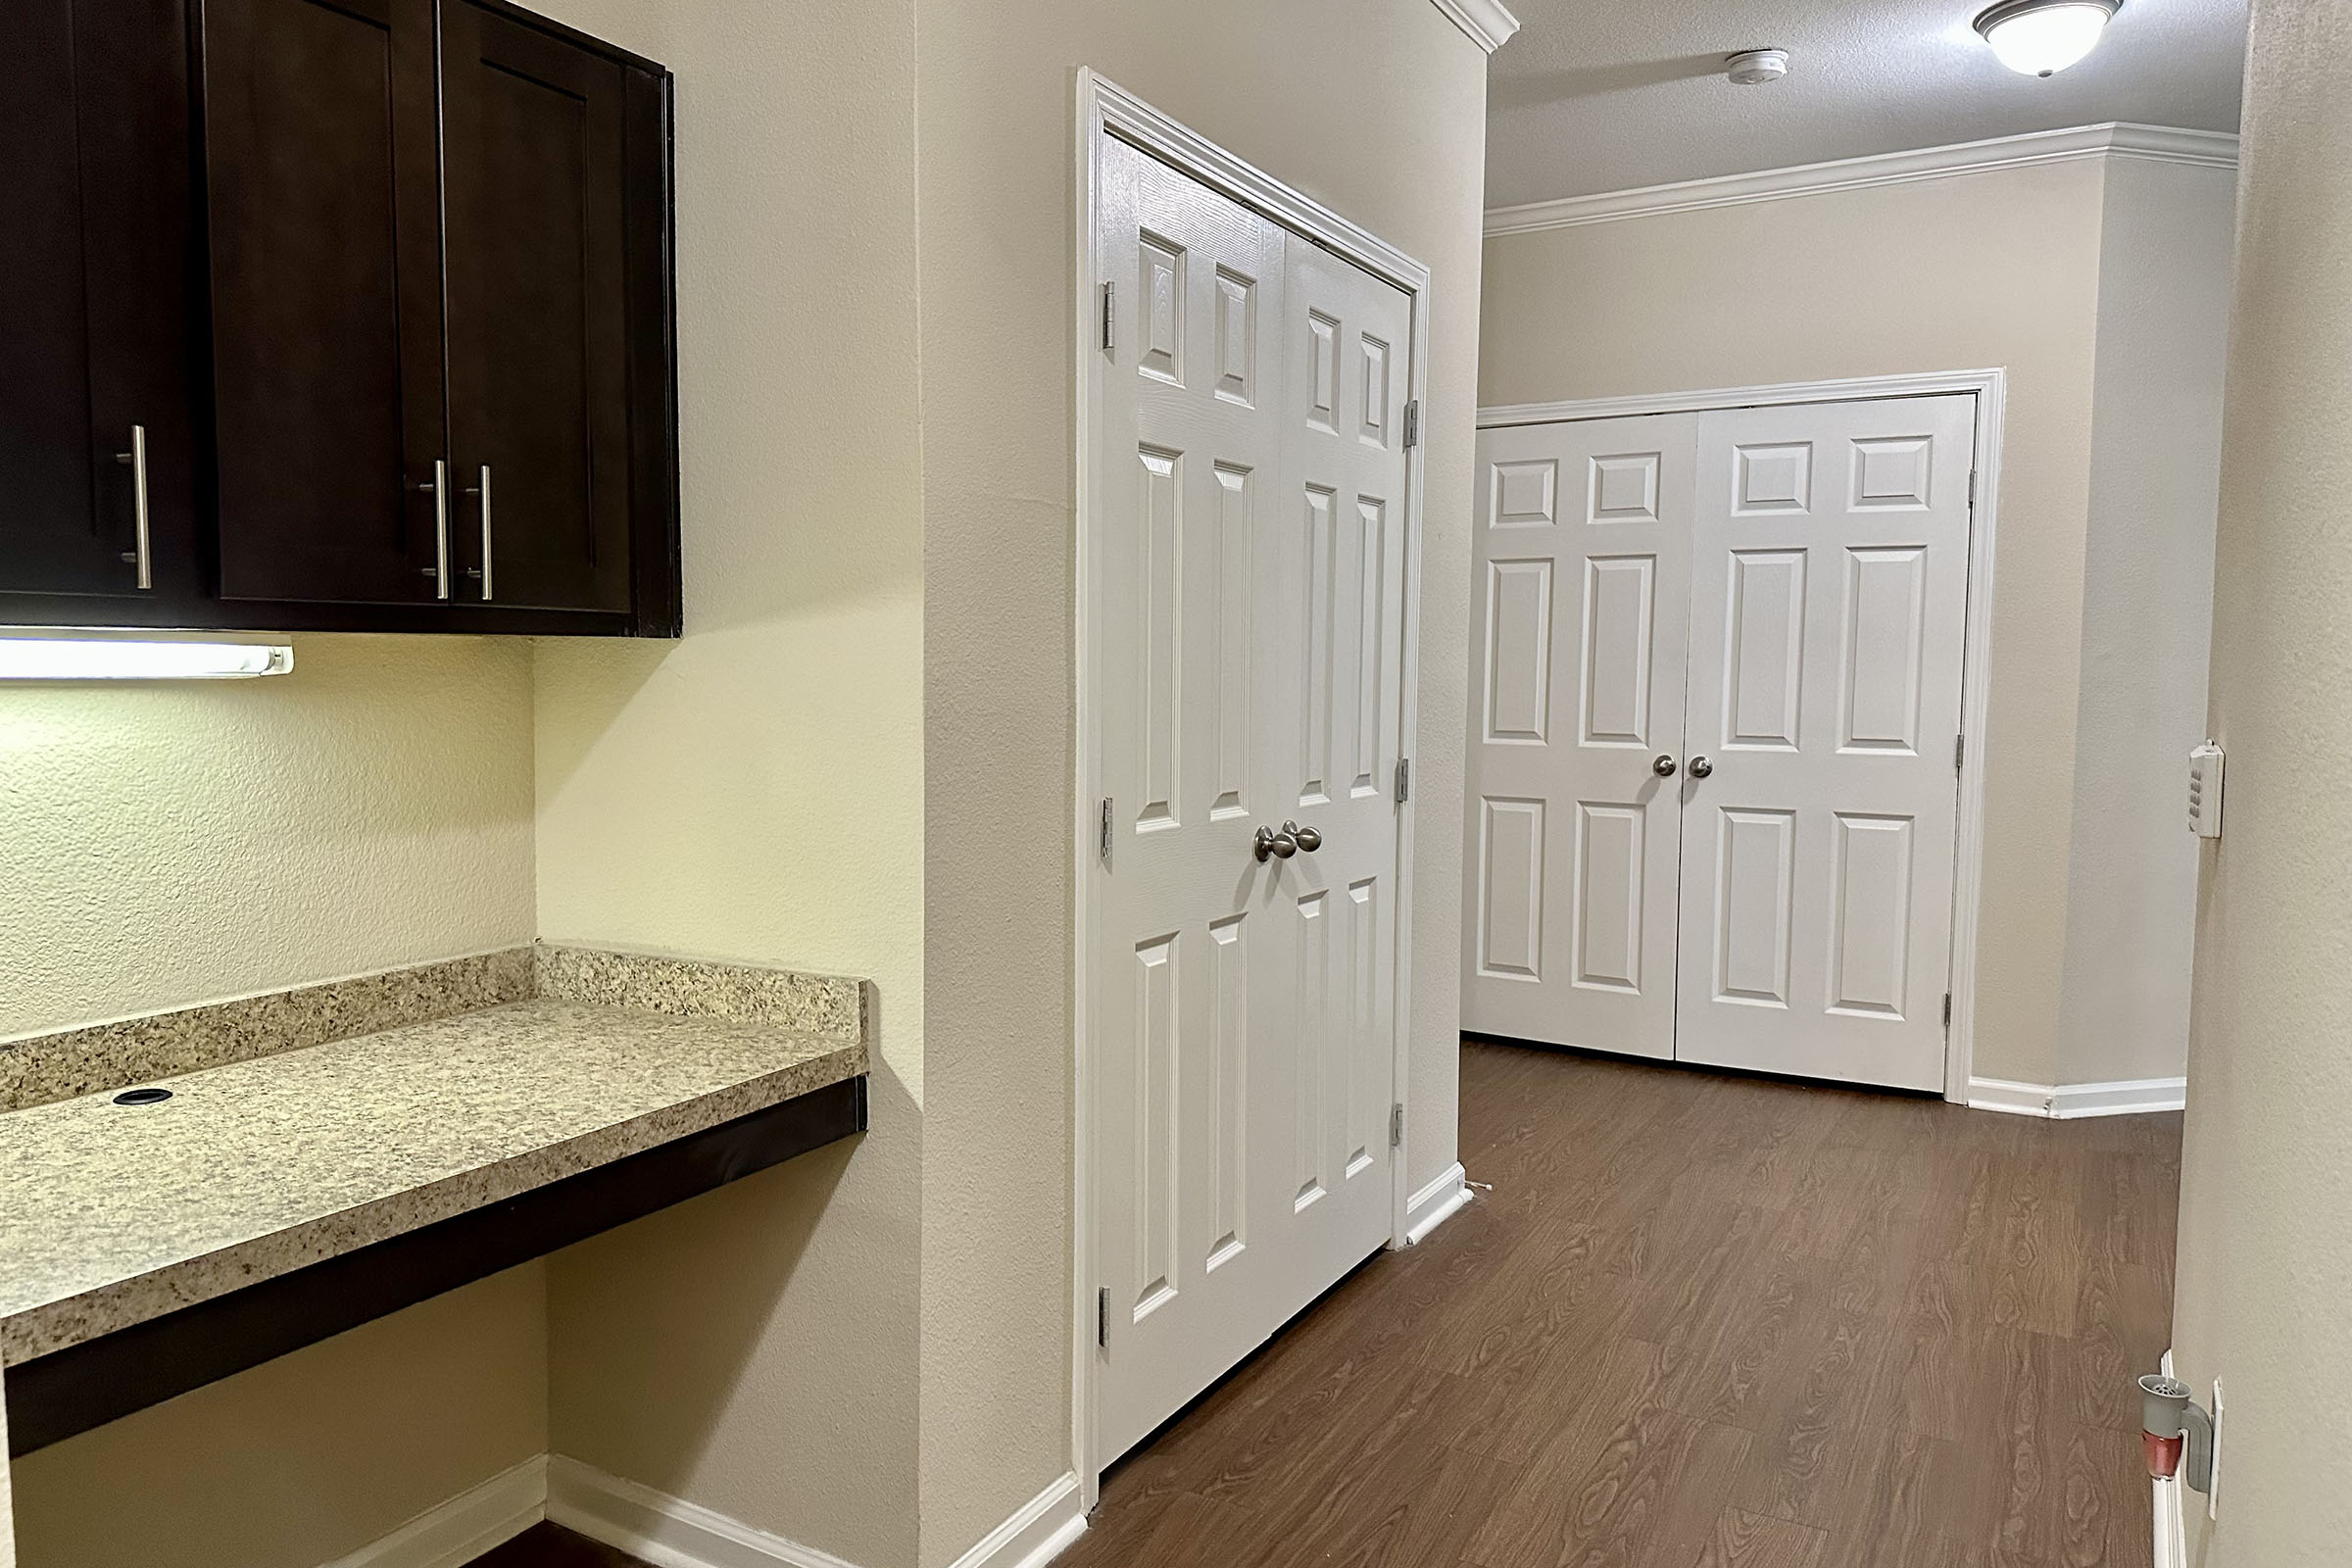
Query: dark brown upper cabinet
(324, 194)
(96, 487)
(535, 155)
(387, 300)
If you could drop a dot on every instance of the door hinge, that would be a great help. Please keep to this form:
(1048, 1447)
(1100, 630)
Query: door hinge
(1412, 423)
(1110, 340)
(1103, 834)
(1948, 1012)
(1396, 1125)
(1405, 779)
(1959, 750)
(1972, 489)
(1102, 1317)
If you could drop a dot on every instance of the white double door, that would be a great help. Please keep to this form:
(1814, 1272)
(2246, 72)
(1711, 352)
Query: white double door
(1714, 735)
(1246, 613)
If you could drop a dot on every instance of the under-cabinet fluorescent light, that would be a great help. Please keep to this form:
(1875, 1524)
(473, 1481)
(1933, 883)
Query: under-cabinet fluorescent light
(94, 659)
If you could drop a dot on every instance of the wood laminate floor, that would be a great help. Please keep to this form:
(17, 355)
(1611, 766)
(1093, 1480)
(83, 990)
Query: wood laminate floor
(1702, 1321)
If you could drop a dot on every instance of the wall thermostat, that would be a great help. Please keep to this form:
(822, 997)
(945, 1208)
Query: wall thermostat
(2205, 791)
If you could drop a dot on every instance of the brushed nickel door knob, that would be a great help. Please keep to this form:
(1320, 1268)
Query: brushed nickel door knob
(1270, 843)
(1662, 765)
(1700, 768)
(1307, 838)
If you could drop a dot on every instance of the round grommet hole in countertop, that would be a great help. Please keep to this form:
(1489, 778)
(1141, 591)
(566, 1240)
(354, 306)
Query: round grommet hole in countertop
(142, 1097)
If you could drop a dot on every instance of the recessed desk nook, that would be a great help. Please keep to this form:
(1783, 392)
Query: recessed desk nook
(192, 1192)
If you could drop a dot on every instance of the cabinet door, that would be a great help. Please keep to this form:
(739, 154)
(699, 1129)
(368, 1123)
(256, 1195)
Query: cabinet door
(535, 160)
(93, 315)
(324, 194)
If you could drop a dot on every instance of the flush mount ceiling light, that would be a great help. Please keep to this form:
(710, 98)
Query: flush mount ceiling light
(95, 659)
(2040, 37)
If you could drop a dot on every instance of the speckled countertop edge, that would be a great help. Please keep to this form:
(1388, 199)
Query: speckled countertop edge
(41, 1069)
(804, 1003)
(92, 1313)
(828, 1016)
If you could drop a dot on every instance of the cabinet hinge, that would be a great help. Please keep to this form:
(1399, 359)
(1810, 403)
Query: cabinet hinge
(1396, 1125)
(1412, 423)
(1405, 779)
(1959, 750)
(1102, 1317)
(1948, 1012)
(1103, 834)
(1110, 340)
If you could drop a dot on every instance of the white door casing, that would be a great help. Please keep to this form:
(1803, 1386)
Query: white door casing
(1824, 553)
(1828, 586)
(1582, 560)
(1244, 601)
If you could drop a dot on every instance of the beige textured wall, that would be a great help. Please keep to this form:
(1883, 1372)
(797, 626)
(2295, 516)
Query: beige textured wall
(2166, 238)
(165, 845)
(2265, 1192)
(1981, 269)
(309, 1457)
(1375, 106)
(754, 791)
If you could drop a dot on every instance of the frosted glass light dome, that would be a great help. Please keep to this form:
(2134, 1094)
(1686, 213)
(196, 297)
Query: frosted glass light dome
(2040, 37)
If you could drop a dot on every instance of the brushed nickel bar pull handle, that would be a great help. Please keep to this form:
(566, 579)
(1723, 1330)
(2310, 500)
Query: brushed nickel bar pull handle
(142, 557)
(484, 492)
(441, 529)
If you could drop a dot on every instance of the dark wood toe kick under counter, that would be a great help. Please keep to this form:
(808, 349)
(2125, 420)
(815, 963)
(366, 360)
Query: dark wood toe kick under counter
(280, 1198)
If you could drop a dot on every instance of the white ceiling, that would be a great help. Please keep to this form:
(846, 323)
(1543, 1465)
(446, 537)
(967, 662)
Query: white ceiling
(1597, 95)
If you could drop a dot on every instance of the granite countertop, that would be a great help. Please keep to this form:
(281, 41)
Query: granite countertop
(113, 1214)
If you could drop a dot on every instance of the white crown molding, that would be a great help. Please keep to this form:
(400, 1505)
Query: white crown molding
(1486, 22)
(2205, 149)
(2131, 1097)
(465, 1526)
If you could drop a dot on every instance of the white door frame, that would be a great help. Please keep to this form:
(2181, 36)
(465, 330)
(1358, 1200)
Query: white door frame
(1989, 388)
(1105, 112)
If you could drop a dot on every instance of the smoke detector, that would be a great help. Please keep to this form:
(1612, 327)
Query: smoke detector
(1749, 67)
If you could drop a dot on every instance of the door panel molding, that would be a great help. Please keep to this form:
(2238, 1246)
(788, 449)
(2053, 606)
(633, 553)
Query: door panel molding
(1826, 678)
(1989, 387)
(1107, 114)
(1580, 648)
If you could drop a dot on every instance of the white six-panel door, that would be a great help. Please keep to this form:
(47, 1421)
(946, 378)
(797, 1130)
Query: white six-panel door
(1246, 602)
(1334, 717)
(1829, 585)
(1578, 608)
(1779, 611)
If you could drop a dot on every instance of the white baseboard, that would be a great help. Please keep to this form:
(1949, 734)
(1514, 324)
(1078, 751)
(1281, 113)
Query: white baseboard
(671, 1532)
(465, 1526)
(1039, 1530)
(2131, 1097)
(666, 1531)
(1433, 1206)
